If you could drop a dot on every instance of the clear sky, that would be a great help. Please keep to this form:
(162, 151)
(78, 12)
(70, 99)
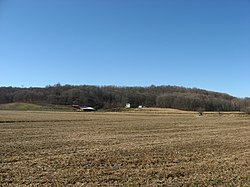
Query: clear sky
(190, 43)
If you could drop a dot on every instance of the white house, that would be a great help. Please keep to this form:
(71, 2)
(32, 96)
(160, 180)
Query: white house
(127, 105)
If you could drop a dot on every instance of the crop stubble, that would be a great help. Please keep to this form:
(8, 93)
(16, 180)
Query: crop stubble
(123, 149)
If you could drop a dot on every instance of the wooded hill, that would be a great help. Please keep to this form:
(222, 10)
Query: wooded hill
(112, 97)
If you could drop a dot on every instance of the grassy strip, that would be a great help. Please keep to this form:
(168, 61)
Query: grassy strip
(34, 107)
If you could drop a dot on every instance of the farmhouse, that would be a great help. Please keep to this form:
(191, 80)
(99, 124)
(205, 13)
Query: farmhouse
(127, 105)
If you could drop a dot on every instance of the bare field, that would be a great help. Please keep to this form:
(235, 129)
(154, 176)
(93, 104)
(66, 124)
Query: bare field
(123, 149)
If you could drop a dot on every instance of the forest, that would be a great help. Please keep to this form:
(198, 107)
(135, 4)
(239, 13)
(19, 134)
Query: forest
(106, 97)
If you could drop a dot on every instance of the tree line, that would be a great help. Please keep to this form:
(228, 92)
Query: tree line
(113, 97)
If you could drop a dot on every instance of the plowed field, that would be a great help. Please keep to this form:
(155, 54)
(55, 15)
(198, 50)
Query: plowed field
(123, 149)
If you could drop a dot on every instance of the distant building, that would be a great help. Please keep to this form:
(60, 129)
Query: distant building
(83, 108)
(127, 105)
(140, 106)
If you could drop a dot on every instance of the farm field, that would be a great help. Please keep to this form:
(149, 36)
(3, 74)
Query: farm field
(123, 149)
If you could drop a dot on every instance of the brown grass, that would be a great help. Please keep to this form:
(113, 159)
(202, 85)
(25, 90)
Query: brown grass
(123, 149)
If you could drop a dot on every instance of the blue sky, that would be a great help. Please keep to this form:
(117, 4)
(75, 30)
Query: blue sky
(194, 43)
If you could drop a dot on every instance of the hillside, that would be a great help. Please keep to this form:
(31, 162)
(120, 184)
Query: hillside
(107, 97)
